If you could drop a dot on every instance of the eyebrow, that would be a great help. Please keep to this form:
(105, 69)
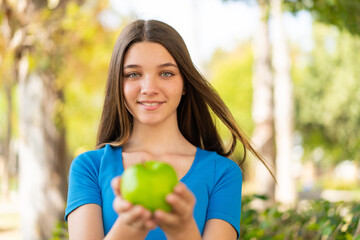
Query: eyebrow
(169, 64)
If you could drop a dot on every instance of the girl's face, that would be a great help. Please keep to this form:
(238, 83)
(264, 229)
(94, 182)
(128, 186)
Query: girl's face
(153, 85)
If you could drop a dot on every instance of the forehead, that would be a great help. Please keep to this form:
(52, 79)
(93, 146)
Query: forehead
(147, 53)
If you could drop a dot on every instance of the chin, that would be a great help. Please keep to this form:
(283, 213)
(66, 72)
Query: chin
(156, 120)
(150, 122)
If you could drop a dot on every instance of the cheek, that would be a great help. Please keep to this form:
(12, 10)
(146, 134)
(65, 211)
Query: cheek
(129, 91)
(176, 89)
(180, 90)
(128, 95)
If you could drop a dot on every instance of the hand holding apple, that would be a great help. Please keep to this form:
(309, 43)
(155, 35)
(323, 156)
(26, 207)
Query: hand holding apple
(134, 220)
(179, 223)
(147, 184)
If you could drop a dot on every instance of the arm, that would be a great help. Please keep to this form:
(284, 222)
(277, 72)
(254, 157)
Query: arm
(84, 211)
(218, 229)
(224, 209)
(85, 222)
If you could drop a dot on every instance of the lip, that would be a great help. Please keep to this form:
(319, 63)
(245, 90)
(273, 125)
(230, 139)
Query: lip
(150, 105)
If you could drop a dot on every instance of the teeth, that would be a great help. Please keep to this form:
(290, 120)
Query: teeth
(150, 104)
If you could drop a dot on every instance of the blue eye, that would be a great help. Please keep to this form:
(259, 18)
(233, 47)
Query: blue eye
(167, 74)
(132, 75)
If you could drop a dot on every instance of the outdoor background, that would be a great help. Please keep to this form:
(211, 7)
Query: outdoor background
(288, 70)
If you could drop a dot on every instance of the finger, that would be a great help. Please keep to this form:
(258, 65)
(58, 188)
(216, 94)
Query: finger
(120, 205)
(131, 215)
(184, 192)
(136, 217)
(115, 184)
(179, 205)
(150, 224)
(143, 217)
(165, 219)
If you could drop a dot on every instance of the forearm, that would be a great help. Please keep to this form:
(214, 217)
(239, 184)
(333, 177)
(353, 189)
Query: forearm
(190, 232)
(121, 231)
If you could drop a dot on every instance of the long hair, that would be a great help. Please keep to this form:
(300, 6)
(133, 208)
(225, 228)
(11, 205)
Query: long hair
(194, 113)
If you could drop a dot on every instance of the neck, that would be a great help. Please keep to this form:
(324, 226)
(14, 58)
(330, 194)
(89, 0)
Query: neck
(157, 139)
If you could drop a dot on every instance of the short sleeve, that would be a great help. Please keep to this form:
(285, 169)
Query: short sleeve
(83, 183)
(225, 197)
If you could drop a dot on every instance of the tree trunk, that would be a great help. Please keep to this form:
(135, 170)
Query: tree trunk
(8, 78)
(5, 171)
(283, 98)
(42, 154)
(42, 157)
(262, 109)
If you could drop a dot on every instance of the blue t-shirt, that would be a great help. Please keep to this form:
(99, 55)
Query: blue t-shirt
(216, 182)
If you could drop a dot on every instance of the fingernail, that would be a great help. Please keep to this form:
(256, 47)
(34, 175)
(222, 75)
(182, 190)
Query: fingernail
(138, 209)
(178, 188)
(169, 197)
(158, 213)
(125, 204)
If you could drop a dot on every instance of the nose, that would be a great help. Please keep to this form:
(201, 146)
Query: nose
(149, 86)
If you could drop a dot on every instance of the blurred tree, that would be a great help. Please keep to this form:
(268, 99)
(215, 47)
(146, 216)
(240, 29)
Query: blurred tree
(282, 112)
(231, 76)
(41, 152)
(345, 16)
(342, 13)
(328, 99)
(83, 76)
(9, 44)
(7, 82)
(263, 104)
(42, 34)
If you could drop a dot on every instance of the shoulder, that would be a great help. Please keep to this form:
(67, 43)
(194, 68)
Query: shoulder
(92, 160)
(219, 161)
(221, 166)
(91, 157)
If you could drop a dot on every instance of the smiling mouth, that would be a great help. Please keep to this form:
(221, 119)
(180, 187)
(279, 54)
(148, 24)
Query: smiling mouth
(150, 104)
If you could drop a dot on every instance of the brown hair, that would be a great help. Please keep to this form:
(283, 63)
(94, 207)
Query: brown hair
(194, 112)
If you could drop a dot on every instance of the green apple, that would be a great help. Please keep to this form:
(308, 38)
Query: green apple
(148, 183)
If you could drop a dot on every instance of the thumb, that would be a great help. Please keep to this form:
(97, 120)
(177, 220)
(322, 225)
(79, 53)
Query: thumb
(115, 184)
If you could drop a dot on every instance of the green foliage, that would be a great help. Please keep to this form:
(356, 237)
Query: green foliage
(60, 231)
(327, 95)
(70, 47)
(83, 75)
(342, 13)
(231, 76)
(73, 49)
(314, 219)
